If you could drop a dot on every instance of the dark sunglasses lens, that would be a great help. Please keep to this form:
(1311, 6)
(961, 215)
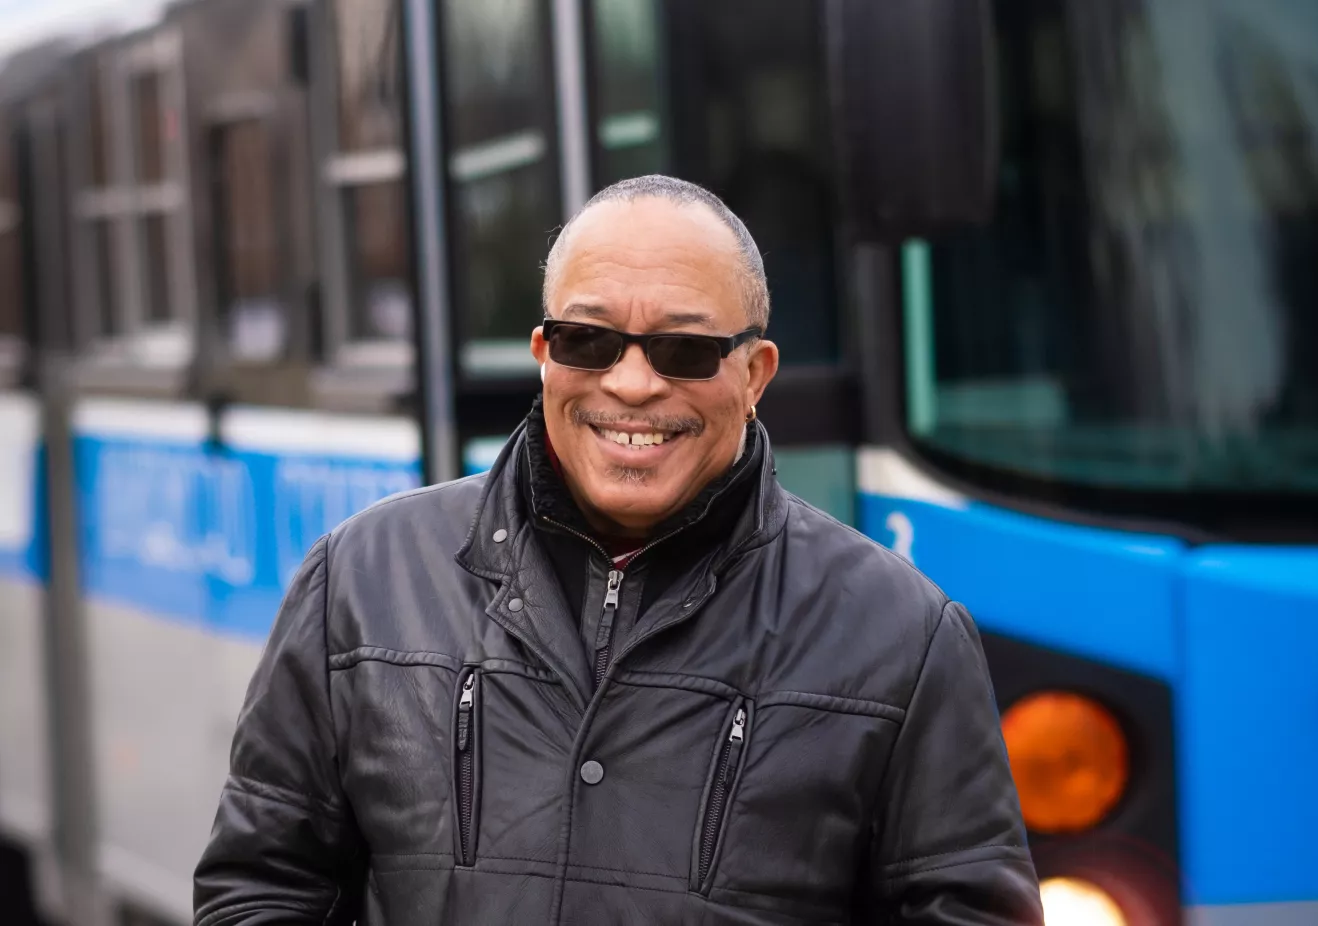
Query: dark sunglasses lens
(685, 356)
(584, 347)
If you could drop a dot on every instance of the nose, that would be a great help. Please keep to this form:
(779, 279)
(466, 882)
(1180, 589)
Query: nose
(632, 380)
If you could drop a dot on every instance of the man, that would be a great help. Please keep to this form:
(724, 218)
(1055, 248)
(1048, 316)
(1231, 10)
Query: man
(624, 677)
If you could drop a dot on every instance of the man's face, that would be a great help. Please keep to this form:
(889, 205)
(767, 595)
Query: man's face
(644, 266)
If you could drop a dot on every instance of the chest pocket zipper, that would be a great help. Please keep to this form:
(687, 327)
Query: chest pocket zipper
(465, 768)
(719, 792)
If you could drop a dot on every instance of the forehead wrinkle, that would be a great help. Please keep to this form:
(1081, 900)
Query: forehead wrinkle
(678, 319)
(589, 310)
(597, 274)
(666, 310)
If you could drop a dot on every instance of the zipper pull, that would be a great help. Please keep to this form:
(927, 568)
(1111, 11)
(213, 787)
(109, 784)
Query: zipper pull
(604, 635)
(465, 704)
(736, 739)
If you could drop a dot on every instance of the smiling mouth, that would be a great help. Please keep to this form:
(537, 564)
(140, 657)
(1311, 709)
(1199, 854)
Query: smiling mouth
(637, 440)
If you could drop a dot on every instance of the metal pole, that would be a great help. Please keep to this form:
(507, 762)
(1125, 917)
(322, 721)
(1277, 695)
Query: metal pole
(69, 698)
(573, 105)
(332, 258)
(433, 325)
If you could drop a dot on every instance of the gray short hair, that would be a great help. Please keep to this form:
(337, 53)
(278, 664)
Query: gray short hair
(755, 286)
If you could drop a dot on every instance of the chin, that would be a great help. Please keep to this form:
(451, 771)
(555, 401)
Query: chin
(630, 498)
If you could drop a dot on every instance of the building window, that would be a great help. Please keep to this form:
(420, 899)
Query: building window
(368, 244)
(247, 247)
(151, 129)
(132, 208)
(381, 295)
(106, 279)
(369, 75)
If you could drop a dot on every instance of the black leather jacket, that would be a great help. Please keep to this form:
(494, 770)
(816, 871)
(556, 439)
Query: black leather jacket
(798, 729)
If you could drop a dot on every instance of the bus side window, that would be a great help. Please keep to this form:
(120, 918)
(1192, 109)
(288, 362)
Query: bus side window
(246, 249)
(133, 233)
(502, 170)
(96, 228)
(367, 264)
(11, 251)
(152, 122)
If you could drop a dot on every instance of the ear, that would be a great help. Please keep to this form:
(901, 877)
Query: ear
(761, 367)
(540, 348)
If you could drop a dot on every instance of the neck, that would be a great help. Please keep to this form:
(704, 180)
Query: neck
(606, 527)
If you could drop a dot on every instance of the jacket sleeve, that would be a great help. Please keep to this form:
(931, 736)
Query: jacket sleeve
(950, 846)
(284, 848)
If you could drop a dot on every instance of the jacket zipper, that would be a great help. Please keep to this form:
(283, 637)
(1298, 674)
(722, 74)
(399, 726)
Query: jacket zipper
(466, 766)
(604, 636)
(729, 762)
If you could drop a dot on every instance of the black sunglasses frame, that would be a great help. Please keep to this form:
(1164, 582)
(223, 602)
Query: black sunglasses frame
(726, 345)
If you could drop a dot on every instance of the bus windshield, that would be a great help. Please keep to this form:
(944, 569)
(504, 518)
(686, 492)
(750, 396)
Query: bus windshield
(1142, 312)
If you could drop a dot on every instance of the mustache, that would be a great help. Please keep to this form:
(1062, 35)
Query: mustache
(692, 426)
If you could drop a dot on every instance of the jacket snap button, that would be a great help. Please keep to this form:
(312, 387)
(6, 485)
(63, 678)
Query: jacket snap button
(500, 535)
(515, 604)
(592, 773)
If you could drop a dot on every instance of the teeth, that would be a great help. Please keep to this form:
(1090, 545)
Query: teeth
(635, 440)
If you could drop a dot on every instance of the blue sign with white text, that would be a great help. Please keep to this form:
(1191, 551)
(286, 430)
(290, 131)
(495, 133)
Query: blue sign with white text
(206, 534)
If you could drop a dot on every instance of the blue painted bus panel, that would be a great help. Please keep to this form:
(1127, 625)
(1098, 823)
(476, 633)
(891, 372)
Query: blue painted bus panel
(213, 536)
(1248, 724)
(1098, 594)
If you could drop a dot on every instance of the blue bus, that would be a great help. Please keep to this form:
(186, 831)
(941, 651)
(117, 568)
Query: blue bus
(1042, 281)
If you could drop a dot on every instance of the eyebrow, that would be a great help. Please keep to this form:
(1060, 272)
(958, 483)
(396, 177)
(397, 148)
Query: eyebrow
(671, 319)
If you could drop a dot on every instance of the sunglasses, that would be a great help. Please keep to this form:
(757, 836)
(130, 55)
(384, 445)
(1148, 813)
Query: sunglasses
(672, 356)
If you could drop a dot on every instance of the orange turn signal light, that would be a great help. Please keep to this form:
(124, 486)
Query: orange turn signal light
(1069, 758)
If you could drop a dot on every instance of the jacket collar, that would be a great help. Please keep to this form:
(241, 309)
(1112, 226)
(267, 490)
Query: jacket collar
(502, 546)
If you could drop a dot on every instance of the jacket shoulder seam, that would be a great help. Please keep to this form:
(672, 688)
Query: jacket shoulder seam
(906, 711)
(253, 787)
(929, 648)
